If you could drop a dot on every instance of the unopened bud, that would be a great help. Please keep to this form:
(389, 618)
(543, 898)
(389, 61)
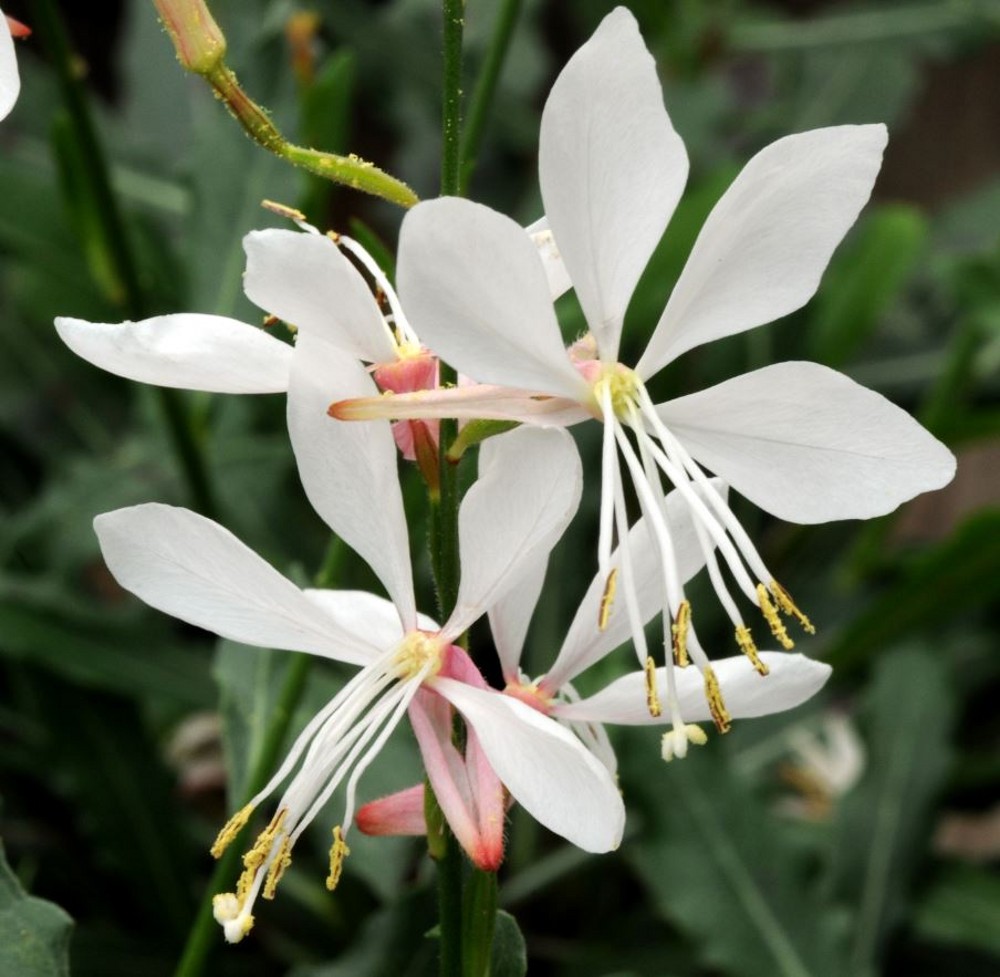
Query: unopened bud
(200, 43)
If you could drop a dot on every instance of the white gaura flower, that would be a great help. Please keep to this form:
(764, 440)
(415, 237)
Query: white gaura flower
(680, 695)
(801, 441)
(189, 566)
(10, 79)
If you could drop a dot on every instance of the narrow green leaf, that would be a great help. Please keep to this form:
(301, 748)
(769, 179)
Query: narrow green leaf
(883, 825)
(962, 908)
(724, 871)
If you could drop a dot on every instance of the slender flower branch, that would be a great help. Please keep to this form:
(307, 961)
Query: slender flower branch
(116, 241)
(201, 48)
(485, 88)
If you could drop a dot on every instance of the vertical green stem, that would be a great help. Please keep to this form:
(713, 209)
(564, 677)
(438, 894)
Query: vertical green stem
(49, 27)
(485, 87)
(451, 101)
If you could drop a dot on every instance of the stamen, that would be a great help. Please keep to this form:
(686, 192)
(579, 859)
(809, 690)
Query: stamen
(786, 603)
(749, 649)
(230, 830)
(720, 715)
(283, 210)
(338, 852)
(607, 599)
(652, 696)
(679, 633)
(276, 870)
(774, 622)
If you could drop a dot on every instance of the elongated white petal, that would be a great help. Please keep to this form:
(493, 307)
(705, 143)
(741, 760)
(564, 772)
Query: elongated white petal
(585, 643)
(528, 489)
(305, 280)
(349, 470)
(10, 80)
(511, 615)
(187, 350)
(473, 402)
(188, 566)
(546, 769)
(809, 445)
(555, 268)
(793, 680)
(767, 242)
(374, 619)
(611, 168)
(474, 289)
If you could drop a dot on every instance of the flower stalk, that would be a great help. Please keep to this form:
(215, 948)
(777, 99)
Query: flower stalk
(201, 49)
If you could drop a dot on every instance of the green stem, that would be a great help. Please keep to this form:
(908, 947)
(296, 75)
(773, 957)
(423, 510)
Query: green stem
(348, 170)
(451, 101)
(96, 177)
(481, 898)
(204, 936)
(485, 87)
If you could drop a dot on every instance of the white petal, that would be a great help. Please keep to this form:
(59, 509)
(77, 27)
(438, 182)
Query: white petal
(793, 680)
(511, 615)
(529, 486)
(612, 170)
(809, 445)
(555, 268)
(585, 643)
(188, 566)
(767, 242)
(305, 280)
(374, 619)
(546, 769)
(188, 350)
(10, 80)
(474, 289)
(348, 469)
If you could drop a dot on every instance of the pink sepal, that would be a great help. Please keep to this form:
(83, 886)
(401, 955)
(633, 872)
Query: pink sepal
(401, 813)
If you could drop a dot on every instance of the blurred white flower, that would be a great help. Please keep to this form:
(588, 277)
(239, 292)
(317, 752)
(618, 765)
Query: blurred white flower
(10, 79)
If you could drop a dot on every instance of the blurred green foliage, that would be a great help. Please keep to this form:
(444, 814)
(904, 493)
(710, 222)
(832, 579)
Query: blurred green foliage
(735, 862)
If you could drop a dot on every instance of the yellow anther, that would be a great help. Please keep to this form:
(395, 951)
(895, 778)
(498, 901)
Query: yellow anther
(257, 856)
(786, 603)
(652, 696)
(231, 829)
(774, 622)
(279, 863)
(720, 715)
(749, 649)
(607, 599)
(283, 210)
(338, 852)
(679, 634)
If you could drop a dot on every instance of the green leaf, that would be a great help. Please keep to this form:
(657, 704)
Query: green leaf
(725, 872)
(510, 955)
(34, 934)
(863, 280)
(882, 827)
(961, 908)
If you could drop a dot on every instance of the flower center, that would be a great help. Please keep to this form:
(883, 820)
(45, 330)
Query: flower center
(419, 652)
(531, 695)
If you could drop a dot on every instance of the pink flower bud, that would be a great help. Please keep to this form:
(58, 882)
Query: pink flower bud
(200, 43)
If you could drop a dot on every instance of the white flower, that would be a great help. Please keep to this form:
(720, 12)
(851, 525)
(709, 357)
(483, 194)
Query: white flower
(10, 80)
(690, 696)
(801, 441)
(189, 566)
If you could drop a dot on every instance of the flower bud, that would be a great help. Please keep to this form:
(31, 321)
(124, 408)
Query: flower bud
(200, 43)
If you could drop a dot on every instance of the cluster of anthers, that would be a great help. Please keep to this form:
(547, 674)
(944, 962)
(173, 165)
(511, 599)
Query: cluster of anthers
(621, 402)
(340, 741)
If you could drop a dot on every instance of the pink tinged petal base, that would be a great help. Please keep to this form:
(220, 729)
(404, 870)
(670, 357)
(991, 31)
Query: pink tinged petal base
(10, 80)
(474, 290)
(611, 169)
(808, 444)
(305, 280)
(767, 242)
(401, 813)
(190, 351)
(792, 680)
(546, 769)
(188, 566)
